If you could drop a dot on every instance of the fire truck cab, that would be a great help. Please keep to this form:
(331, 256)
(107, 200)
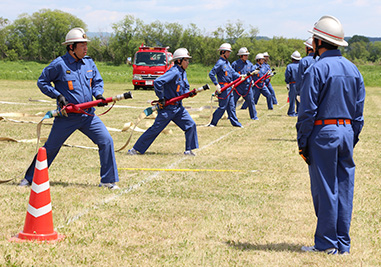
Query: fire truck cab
(150, 63)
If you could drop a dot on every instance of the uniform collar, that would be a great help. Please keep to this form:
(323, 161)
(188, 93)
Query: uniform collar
(222, 58)
(73, 60)
(179, 68)
(331, 53)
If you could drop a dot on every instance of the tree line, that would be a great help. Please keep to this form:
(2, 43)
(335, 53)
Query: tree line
(38, 37)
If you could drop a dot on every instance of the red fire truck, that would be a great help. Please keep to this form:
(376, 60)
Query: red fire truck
(150, 63)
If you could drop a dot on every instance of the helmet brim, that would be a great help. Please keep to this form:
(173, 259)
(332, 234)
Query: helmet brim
(174, 59)
(328, 39)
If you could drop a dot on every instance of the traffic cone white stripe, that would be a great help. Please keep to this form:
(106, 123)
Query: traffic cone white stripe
(40, 165)
(39, 212)
(38, 188)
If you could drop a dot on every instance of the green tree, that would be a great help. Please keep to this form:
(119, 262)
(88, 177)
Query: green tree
(192, 40)
(39, 37)
(358, 51)
(374, 51)
(358, 38)
(3, 33)
(121, 45)
(52, 27)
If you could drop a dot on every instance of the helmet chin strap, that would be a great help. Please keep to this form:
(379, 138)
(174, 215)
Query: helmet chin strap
(317, 48)
(223, 54)
(72, 49)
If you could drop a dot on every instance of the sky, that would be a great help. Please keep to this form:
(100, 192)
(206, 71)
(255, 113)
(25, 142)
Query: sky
(284, 18)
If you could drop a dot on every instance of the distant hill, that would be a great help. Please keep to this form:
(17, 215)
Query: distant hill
(371, 39)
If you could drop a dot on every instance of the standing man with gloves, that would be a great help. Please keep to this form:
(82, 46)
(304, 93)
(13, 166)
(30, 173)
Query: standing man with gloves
(76, 80)
(244, 66)
(290, 79)
(225, 74)
(330, 120)
(171, 84)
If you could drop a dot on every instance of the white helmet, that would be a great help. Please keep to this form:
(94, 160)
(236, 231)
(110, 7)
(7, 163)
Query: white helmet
(330, 30)
(296, 55)
(243, 52)
(75, 35)
(259, 56)
(265, 54)
(225, 47)
(308, 43)
(180, 53)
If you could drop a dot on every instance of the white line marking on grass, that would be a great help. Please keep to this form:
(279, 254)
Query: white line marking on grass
(147, 180)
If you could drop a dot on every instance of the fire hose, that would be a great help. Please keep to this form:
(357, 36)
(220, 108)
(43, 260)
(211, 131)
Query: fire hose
(148, 111)
(74, 108)
(238, 81)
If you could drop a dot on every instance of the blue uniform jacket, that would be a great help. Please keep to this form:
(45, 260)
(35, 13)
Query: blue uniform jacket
(332, 88)
(224, 71)
(304, 63)
(262, 71)
(77, 81)
(243, 68)
(291, 72)
(266, 67)
(172, 83)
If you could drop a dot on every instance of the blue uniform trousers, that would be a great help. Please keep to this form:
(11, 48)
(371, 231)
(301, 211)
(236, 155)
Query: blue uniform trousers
(292, 101)
(225, 103)
(272, 92)
(180, 116)
(92, 127)
(332, 173)
(249, 99)
(257, 92)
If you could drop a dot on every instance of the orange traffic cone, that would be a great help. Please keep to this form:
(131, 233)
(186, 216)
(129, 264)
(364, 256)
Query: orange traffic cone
(39, 217)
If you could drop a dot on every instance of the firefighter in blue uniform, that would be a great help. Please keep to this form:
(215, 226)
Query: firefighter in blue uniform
(76, 80)
(244, 66)
(172, 84)
(290, 79)
(225, 74)
(304, 63)
(330, 120)
(260, 87)
(268, 82)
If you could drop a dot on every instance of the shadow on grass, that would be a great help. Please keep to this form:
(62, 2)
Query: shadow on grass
(264, 247)
(52, 183)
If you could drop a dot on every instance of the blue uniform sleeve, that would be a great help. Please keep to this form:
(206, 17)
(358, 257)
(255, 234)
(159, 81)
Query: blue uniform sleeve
(287, 74)
(161, 81)
(235, 74)
(299, 77)
(49, 74)
(358, 121)
(97, 81)
(213, 72)
(308, 108)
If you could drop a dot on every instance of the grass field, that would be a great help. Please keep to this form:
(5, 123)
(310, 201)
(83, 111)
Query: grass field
(252, 208)
(197, 73)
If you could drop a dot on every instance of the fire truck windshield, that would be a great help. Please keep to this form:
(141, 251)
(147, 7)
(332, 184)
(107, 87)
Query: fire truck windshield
(150, 59)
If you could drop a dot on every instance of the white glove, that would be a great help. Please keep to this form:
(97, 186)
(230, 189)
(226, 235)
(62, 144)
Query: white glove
(218, 89)
(288, 86)
(255, 72)
(243, 76)
(298, 98)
